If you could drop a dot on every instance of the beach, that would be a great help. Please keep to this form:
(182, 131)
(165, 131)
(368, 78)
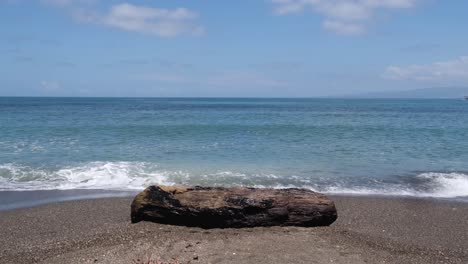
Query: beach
(368, 230)
(396, 169)
(262, 132)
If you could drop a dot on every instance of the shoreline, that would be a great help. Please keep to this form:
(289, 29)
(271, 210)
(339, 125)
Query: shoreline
(12, 200)
(368, 229)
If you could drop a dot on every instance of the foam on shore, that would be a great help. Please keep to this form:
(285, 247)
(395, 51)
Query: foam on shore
(137, 175)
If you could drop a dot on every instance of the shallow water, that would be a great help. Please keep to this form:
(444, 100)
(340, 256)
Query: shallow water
(393, 147)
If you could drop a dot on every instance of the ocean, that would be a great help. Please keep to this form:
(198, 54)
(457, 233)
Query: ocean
(338, 146)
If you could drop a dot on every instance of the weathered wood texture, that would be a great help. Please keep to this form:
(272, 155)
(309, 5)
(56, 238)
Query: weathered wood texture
(210, 207)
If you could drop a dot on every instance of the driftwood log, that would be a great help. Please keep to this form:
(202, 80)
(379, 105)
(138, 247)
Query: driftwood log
(211, 207)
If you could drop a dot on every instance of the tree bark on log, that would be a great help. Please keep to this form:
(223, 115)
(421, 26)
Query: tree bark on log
(217, 207)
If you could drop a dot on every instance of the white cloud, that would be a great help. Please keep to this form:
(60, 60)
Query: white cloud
(444, 70)
(343, 28)
(50, 86)
(349, 17)
(147, 20)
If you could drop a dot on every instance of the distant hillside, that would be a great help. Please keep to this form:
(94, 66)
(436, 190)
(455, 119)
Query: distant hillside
(427, 93)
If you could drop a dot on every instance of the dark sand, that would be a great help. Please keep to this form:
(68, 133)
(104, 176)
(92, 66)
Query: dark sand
(369, 230)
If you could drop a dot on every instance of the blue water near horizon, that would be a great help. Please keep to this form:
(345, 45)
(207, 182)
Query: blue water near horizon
(350, 146)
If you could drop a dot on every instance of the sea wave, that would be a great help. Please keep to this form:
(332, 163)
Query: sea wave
(124, 175)
(93, 175)
(428, 184)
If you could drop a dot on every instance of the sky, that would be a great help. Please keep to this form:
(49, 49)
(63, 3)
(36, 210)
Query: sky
(221, 48)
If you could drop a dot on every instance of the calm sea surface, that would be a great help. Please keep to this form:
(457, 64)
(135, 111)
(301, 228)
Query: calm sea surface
(394, 147)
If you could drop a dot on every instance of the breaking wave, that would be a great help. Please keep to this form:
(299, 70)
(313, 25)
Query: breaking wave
(138, 175)
(430, 184)
(93, 175)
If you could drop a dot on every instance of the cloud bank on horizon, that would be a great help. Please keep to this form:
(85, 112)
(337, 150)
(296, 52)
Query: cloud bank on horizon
(216, 48)
(442, 70)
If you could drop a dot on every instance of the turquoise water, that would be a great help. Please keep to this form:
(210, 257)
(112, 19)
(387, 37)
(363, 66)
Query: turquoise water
(394, 147)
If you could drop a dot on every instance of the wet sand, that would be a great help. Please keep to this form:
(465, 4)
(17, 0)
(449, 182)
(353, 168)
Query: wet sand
(368, 230)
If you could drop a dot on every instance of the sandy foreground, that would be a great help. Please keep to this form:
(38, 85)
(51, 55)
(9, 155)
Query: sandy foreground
(368, 230)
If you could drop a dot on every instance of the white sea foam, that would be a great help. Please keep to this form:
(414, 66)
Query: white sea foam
(447, 184)
(93, 175)
(137, 175)
(111, 175)
(434, 184)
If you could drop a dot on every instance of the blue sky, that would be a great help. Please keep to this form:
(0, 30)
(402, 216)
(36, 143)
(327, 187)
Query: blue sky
(251, 48)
